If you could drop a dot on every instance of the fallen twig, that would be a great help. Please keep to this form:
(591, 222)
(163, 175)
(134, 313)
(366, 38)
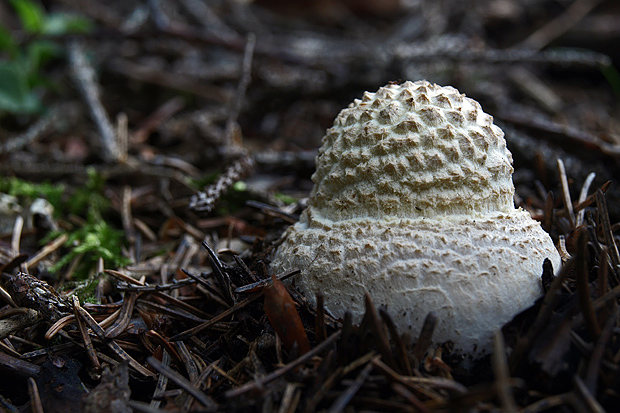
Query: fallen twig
(85, 78)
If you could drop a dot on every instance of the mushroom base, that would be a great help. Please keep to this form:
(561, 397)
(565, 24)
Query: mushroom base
(475, 272)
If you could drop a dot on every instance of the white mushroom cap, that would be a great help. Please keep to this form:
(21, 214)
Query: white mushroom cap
(413, 202)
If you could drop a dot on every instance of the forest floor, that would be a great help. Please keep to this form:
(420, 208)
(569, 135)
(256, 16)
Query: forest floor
(123, 288)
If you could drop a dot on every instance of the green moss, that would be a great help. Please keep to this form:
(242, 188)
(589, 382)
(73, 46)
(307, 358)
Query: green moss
(97, 237)
(89, 200)
(85, 290)
(88, 243)
(20, 189)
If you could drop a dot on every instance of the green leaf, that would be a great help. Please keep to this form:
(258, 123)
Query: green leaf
(61, 23)
(30, 14)
(38, 53)
(15, 93)
(7, 43)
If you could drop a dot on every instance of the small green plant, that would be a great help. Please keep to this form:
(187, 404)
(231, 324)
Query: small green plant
(96, 238)
(88, 241)
(287, 199)
(20, 64)
(89, 201)
(85, 290)
(20, 188)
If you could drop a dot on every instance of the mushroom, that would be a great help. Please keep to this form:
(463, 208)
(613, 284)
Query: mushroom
(414, 203)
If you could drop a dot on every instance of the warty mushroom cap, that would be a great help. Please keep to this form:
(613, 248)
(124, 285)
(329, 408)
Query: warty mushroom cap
(414, 203)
